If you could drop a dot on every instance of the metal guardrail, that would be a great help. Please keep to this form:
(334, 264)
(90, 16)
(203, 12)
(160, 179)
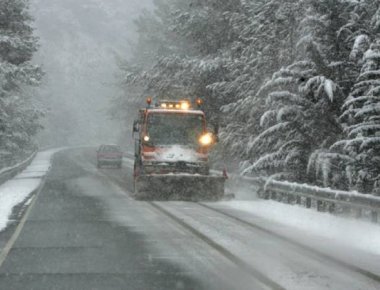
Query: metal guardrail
(8, 173)
(326, 199)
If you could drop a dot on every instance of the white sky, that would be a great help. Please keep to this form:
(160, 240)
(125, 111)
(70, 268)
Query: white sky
(79, 39)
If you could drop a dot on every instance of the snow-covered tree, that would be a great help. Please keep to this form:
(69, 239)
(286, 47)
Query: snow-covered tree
(361, 117)
(275, 75)
(296, 99)
(267, 35)
(18, 116)
(339, 166)
(188, 56)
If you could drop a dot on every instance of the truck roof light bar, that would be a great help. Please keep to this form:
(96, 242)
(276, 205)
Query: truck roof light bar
(179, 105)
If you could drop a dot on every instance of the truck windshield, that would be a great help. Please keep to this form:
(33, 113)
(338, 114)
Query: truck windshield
(170, 129)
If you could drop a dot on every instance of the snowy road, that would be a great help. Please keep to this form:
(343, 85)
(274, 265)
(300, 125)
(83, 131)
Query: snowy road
(84, 231)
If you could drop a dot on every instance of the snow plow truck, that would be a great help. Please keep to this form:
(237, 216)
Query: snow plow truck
(172, 144)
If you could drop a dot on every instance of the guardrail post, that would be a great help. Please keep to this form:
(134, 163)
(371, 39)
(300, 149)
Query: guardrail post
(279, 196)
(374, 216)
(359, 213)
(319, 205)
(346, 210)
(308, 202)
(331, 207)
(264, 194)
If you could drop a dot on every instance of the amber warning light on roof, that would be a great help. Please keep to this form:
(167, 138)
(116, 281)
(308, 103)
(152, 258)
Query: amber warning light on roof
(178, 105)
(175, 105)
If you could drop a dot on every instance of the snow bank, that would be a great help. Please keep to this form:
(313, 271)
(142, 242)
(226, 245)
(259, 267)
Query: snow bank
(16, 190)
(348, 232)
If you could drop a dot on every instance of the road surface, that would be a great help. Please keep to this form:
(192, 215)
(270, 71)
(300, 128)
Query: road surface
(84, 231)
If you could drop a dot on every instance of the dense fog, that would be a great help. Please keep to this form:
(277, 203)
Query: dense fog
(80, 42)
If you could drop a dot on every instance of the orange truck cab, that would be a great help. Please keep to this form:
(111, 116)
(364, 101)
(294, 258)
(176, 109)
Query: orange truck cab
(172, 138)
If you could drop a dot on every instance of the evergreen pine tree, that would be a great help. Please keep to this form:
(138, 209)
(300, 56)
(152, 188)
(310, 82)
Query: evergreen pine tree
(18, 116)
(362, 121)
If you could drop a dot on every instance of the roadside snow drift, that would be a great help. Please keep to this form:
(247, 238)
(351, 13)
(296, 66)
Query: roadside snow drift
(16, 190)
(344, 231)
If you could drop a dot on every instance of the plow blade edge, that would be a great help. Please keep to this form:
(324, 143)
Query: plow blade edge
(179, 187)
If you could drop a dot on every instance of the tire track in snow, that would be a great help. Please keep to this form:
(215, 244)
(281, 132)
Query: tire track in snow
(336, 261)
(222, 250)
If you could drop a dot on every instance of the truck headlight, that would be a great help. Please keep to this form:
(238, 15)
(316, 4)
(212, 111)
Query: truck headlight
(205, 139)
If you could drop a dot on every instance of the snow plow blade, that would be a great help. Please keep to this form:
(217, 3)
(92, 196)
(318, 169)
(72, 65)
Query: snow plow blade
(179, 187)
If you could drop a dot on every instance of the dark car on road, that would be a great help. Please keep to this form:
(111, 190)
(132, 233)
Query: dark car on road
(109, 155)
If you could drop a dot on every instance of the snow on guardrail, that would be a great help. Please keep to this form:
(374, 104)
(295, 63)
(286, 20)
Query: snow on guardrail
(326, 198)
(8, 172)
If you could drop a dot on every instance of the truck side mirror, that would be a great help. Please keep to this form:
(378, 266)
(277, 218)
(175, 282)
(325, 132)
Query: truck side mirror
(216, 132)
(135, 126)
(216, 129)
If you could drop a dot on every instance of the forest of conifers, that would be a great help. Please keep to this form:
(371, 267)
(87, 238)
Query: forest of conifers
(293, 84)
